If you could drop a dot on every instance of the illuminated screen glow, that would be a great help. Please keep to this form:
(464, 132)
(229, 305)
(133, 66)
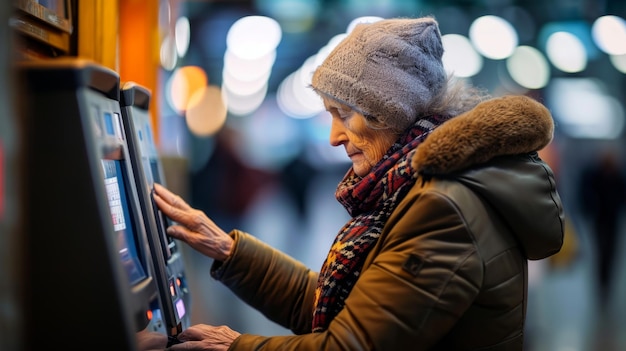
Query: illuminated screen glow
(122, 222)
(180, 308)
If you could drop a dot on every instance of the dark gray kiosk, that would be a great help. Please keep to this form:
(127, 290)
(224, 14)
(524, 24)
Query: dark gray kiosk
(169, 267)
(90, 281)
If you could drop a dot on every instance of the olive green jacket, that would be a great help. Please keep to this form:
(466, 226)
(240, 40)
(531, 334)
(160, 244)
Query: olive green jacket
(449, 271)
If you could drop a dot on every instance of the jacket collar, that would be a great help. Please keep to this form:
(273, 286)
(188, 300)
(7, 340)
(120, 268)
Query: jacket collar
(507, 125)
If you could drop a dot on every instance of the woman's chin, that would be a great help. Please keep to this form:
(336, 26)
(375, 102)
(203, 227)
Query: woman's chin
(361, 169)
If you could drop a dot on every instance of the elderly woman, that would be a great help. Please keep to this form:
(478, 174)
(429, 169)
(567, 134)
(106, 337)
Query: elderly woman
(448, 200)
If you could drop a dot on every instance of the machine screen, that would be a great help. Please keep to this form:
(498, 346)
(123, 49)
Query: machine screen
(122, 222)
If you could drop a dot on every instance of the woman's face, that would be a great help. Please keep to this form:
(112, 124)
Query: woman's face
(365, 146)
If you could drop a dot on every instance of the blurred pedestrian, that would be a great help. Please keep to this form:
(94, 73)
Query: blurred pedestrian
(602, 190)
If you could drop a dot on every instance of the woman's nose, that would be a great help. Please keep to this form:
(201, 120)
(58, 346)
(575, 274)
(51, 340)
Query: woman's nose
(337, 133)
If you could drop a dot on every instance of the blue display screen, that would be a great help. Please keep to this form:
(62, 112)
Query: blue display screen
(108, 124)
(122, 221)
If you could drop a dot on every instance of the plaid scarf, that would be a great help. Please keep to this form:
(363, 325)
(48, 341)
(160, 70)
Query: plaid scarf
(370, 201)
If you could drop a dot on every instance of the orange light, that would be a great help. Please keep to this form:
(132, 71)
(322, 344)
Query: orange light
(186, 81)
(149, 315)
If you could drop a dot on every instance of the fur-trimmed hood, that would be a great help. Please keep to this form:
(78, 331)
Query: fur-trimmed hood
(492, 151)
(508, 125)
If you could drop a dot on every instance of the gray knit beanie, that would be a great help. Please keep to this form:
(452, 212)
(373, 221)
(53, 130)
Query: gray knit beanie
(389, 70)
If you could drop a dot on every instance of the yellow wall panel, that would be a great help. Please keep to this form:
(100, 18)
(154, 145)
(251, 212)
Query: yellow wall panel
(98, 31)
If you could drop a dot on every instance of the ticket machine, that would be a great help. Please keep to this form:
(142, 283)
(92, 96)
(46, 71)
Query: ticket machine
(169, 267)
(91, 282)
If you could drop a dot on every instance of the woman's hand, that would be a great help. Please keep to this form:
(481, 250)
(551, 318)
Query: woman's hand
(193, 226)
(202, 337)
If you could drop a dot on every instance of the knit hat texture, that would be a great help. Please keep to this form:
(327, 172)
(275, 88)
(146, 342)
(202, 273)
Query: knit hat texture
(390, 70)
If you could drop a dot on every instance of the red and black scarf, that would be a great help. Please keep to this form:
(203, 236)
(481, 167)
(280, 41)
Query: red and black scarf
(370, 201)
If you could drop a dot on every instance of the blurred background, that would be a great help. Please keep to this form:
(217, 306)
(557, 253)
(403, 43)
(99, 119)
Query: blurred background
(244, 139)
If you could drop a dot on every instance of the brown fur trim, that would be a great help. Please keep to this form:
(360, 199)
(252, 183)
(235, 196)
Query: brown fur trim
(507, 125)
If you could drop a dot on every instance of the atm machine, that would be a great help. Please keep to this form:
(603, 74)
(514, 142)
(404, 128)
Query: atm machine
(169, 267)
(90, 278)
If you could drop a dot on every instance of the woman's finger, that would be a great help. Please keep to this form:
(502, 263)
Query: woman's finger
(177, 232)
(171, 198)
(166, 207)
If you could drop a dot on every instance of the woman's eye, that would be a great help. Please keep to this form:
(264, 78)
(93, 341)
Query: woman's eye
(340, 113)
(336, 113)
(344, 114)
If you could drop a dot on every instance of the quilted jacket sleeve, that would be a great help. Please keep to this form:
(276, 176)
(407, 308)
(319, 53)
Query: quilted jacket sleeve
(423, 275)
(272, 282)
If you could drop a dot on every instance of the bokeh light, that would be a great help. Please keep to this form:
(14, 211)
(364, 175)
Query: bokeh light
(609, 33)
(528, 67)
(183, 84)
(493, 37)
(459, 56)
(566, 52)
(207, 112)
